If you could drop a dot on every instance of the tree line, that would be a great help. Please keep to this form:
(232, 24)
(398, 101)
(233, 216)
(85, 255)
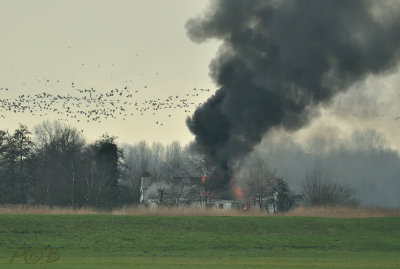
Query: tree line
(54, 165)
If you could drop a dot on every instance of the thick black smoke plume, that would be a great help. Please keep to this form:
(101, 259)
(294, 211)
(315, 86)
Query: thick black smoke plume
(280, 59)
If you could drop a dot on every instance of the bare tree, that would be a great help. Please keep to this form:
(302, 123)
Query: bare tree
(174, 167)
(319, 190)
(58, 152)
(137, 162)
(156, 162)
(257, 178)
(87, 185)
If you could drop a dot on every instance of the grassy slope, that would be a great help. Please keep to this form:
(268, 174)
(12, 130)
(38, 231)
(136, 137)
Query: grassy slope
(107, 241)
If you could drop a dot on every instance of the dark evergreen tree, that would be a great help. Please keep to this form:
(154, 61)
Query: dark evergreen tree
(283, 198)
(108, 159)
(15, 152)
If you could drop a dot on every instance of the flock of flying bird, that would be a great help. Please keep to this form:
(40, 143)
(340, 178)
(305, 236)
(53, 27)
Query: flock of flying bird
(91, 105)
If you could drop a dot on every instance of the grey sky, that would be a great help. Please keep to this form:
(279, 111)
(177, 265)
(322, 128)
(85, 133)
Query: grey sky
(103, 44)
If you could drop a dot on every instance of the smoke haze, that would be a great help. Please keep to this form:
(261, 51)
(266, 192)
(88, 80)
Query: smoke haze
(362, 160)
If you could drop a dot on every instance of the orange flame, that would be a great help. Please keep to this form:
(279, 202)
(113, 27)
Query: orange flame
(245, 207)
(204, 179)
(239, 192)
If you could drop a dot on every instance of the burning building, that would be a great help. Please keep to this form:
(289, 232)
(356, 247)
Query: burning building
(196, 192)
(184, 191)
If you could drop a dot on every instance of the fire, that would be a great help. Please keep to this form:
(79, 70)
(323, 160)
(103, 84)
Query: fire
(245, 207)
(204, 179)
(239, 192)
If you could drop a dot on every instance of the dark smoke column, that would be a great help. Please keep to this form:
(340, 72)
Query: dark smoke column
(280, 59)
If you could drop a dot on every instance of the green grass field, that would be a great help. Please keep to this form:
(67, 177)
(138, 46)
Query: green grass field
(110, 241)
